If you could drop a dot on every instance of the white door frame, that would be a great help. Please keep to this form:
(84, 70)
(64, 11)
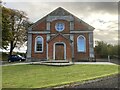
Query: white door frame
(64, 49)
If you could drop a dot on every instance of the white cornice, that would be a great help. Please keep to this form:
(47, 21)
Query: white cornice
(38, 32)
(80, 31)
(47, 32)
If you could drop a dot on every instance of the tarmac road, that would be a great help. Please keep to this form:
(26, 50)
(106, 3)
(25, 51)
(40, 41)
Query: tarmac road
(107, 82)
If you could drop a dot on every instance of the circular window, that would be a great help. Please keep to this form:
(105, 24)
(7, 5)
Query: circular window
(59, 26)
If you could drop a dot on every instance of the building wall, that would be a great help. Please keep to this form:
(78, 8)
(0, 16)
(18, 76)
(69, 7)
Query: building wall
(66, 30)
(79, 25)
(59, 39)
(81, 55)
(41, 26)
(39, 55)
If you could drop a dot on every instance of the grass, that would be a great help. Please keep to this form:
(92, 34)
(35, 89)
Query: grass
(39, 76)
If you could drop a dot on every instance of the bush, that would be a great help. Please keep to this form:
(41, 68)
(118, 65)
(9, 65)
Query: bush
(4, 56)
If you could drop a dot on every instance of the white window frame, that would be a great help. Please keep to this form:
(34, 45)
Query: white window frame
(36, 44)
(84, 41)
(59, 23)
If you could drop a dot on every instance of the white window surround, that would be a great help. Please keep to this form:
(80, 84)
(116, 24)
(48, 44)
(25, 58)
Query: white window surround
(36, 44)
(84, 43)
(59, 26)
(64, 49)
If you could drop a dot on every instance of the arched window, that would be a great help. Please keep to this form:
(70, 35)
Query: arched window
(39, 44)
(81, 44)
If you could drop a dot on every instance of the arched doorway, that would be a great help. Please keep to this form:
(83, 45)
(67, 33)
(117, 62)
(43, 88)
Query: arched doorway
(59, 51)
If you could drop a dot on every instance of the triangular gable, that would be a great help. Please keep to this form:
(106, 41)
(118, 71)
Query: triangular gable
(59, 35)
(84, 24)
(62, 12)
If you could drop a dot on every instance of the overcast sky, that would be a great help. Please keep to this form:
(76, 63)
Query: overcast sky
(103, 16)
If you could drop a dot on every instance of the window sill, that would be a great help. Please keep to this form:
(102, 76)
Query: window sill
(38, 51)
(81, 52)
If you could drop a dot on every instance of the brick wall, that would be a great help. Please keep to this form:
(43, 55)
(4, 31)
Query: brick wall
(79, 25)
(81, 55)
(67, 26)
(40, 26)
(59, 38)
(38, 55)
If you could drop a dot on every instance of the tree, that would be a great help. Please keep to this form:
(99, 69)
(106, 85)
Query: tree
(6, 34)
(103, 49)
(14, 26)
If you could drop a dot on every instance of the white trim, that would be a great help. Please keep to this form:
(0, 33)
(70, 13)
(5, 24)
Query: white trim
(80, 31)
(62, 34)
(56, 25)
(47, 51)
(53, 18)
(91, 50)
(85, 43)
(64, 49)
(46, 31)
(37, 32)
(29, 45)
(71, 25)
(42, 44)
(48, 26)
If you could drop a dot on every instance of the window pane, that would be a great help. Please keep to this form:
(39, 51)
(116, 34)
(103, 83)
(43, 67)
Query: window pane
(39, 40)
(39, 43)
(81, 44)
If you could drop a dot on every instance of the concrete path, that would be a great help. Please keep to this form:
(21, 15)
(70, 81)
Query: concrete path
(23, 63)
(11, 64)
(104, 63)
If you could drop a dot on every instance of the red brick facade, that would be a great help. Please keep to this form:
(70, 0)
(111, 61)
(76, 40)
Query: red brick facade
(73, 28)
(37, 55)
(66, 30)
(81, 55)
(59, 39)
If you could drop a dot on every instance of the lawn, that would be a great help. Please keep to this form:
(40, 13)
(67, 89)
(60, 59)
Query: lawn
(39, 76)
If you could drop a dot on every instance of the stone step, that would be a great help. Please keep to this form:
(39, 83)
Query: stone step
(56, 61)
(53, 63)
(58, 64)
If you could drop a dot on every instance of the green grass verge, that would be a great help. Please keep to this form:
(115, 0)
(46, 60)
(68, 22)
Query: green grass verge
(39, 76)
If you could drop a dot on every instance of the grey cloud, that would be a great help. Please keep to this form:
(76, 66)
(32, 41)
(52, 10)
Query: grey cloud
(107, 36)
(85, 10)
(89, 7)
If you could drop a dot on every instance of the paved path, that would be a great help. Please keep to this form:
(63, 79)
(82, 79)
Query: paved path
(22, 63)
(106, 63)
(11, 64)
